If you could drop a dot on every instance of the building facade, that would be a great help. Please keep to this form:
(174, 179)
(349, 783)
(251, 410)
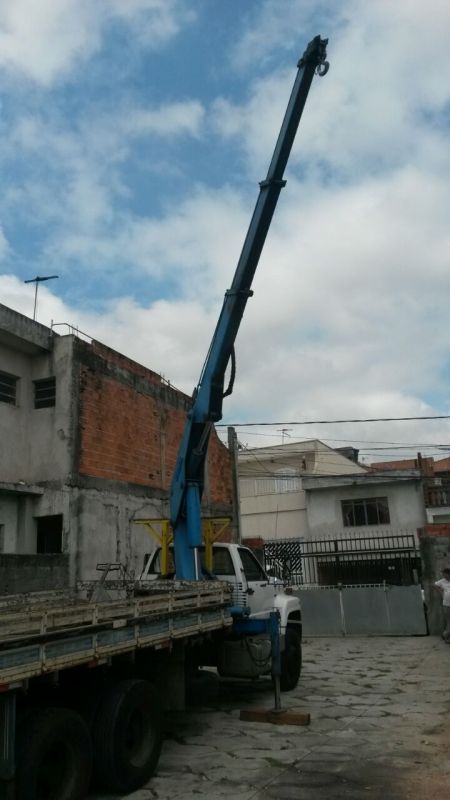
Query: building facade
(273, 500)
(365, 504)
(89, 440)
(307, 490)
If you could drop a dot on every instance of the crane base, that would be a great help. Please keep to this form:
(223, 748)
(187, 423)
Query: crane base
(275, 716)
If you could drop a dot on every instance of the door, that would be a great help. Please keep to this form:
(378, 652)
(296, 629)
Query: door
(260, 593)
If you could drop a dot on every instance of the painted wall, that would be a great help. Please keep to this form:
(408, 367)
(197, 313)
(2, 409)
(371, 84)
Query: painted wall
(272, 498)
(405, 499)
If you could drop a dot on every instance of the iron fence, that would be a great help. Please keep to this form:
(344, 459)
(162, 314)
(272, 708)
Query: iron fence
(363, 561)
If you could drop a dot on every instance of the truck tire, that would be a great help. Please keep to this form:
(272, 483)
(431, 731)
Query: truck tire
(127, 736)
(54, 756)
(291, 660)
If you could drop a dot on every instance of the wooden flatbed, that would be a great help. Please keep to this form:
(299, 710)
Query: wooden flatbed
(37, 639)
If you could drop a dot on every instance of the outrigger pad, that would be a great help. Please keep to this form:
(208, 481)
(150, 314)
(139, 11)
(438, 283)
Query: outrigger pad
(275, 717)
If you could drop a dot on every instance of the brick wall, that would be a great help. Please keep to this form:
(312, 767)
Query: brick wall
(434, 543)
(131, 423)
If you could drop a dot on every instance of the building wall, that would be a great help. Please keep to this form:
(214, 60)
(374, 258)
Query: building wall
(406, 508)
(101, 458)
(435, 552)
(274, 516)
(131, 423)
(272, 499)
(20, 574)
(36, 443)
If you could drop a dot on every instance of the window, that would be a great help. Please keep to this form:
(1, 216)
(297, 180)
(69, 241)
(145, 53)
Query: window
(45, 393)
(49, 534)
(287, 480)
(8, 385)
(252, 568)
(367, 511)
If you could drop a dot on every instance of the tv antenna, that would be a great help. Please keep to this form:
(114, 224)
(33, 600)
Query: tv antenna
(284, 432)
(37, 280)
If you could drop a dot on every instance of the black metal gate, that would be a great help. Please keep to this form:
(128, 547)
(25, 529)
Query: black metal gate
(353, 585)
(352, 561)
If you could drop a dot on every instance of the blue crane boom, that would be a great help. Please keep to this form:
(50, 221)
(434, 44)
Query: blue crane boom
(188, 478)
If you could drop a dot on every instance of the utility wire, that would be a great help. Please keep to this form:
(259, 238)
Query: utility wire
(325, 421)
(397, 445)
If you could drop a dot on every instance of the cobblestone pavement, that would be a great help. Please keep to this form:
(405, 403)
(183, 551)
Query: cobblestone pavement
(380, 728)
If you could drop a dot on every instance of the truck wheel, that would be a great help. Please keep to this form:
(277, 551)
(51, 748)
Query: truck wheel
(127, 736)
(54, 756)
(291, 660)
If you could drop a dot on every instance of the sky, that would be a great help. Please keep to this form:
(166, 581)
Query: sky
(133, 137)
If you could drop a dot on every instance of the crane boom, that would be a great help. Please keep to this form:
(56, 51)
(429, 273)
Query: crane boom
(188, 478)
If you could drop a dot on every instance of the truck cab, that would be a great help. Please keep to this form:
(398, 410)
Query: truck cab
(257, 595)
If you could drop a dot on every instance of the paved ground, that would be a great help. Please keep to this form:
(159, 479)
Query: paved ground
(380, 728)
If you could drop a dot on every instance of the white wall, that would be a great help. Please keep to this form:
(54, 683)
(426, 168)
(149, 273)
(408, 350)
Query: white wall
(272, 499)
(406, 508)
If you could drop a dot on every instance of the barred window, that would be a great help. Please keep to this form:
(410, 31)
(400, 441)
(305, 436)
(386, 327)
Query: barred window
(365, 511)
(45, 393)
(8, 388)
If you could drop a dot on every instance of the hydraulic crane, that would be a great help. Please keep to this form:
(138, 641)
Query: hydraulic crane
(188, 479)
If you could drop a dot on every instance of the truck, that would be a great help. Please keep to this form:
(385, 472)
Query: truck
(83, 673)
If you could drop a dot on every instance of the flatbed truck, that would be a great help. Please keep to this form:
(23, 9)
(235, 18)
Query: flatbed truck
(83, 685)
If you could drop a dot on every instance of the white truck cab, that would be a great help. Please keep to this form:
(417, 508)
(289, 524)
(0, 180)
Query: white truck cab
(258, 594)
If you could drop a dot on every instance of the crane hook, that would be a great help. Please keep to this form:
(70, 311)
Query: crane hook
(322, 68)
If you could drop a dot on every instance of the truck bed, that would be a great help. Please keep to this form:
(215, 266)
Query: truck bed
(37, 638)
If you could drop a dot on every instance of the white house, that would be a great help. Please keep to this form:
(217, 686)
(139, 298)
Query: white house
(307, 490)
(273, 501)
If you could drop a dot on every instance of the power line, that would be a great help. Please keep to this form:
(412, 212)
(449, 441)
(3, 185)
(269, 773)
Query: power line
(326, 421)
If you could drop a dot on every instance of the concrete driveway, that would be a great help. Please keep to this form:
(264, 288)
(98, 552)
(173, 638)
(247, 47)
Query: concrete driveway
(380, 728)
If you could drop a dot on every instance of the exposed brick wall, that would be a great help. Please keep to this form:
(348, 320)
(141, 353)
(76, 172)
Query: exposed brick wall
(435, 529)
(131, 423)
(253, 542)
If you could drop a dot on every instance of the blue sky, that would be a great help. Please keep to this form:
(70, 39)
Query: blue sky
(134, 133)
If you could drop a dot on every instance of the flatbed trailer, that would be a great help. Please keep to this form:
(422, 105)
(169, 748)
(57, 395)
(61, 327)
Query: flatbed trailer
(67, 666)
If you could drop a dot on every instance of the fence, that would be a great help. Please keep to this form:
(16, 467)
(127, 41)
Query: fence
(391, 559)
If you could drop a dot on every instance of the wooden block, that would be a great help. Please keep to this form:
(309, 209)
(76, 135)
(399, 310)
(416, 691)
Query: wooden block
(274, 717)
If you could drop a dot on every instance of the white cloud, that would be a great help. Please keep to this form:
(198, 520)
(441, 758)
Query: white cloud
(171, 119)
(372, 111)
(349, 317)
(44, 41)
(4, 246)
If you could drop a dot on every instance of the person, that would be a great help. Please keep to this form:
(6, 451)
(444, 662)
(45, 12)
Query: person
(443, 586)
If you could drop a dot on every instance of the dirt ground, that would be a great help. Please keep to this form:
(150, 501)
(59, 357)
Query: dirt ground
(380, 728)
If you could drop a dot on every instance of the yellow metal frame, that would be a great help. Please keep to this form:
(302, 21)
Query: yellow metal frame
(161, 530)
(212, 527)
(163, 536)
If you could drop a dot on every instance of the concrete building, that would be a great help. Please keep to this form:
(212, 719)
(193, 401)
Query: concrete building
(273, 500)
(89, 440)
(369, 503)
(436, 483)
(307, 490)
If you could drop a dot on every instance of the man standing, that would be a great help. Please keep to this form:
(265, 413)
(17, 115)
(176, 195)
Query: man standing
(443, 586)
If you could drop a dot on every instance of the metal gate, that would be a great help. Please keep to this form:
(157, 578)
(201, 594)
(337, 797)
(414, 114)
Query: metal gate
(353, 585)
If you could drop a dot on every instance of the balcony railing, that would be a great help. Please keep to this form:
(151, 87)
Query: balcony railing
(437, 496)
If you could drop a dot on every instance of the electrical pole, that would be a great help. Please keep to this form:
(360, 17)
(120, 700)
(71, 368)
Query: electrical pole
(233, 448)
